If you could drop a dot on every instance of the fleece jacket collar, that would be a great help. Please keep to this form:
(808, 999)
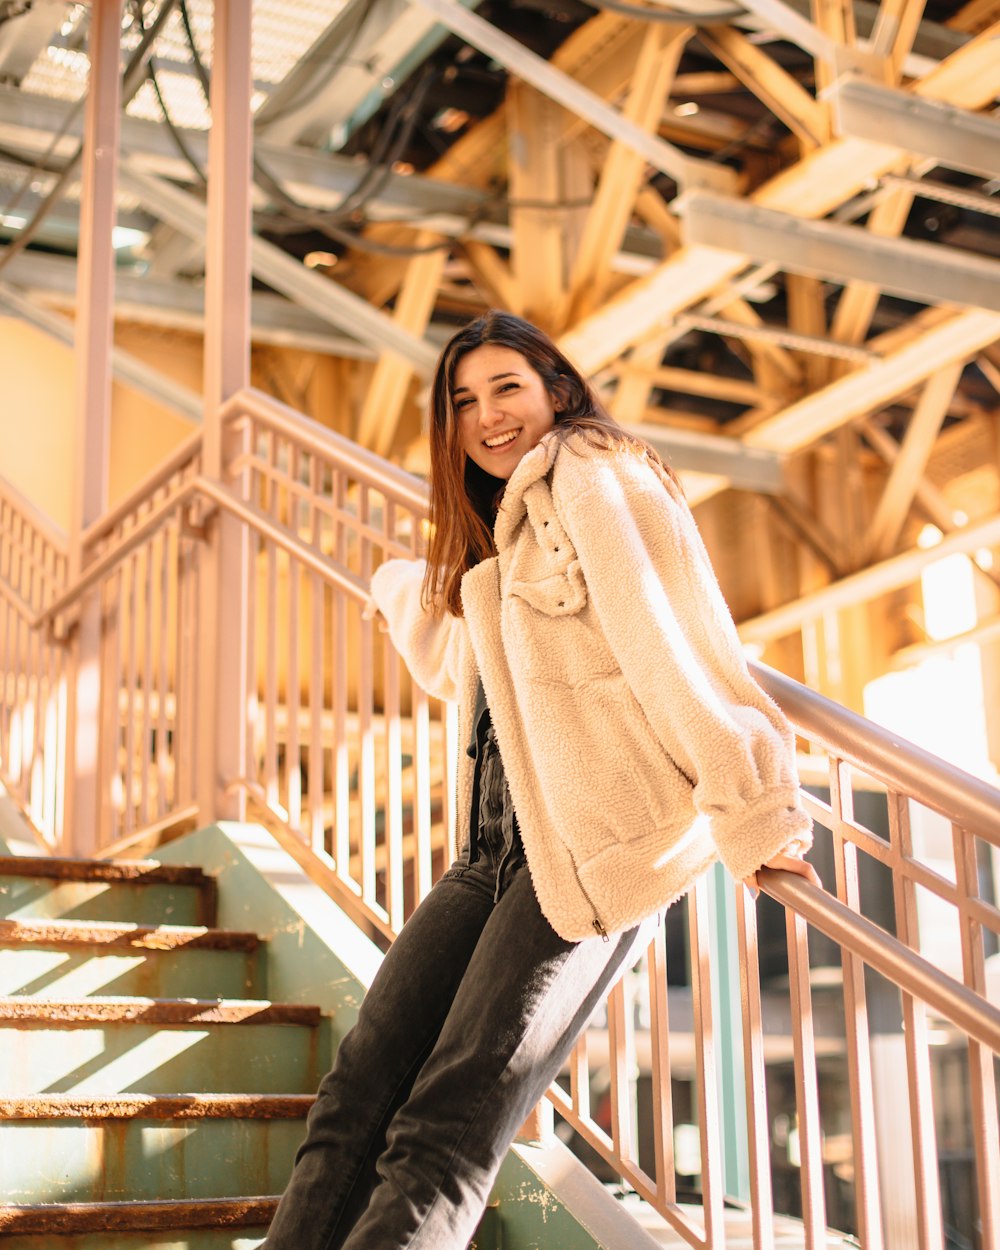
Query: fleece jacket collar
(533, 466)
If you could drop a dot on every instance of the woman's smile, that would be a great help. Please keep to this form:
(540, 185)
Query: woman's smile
(502, 406)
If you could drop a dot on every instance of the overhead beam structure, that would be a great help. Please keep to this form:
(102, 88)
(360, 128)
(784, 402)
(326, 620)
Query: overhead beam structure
(329, 300)
(531, 68)
(928, 272)
(953, 137)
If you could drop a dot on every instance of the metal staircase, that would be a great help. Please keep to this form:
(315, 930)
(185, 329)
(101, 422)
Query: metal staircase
(238, 679)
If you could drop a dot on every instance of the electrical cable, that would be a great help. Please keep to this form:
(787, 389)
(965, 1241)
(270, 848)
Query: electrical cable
(384, 153)
(132, 80)
(175, 133)
(673, 17)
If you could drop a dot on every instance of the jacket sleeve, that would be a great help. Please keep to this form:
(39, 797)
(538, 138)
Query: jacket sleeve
(434, 649)
(664, 617)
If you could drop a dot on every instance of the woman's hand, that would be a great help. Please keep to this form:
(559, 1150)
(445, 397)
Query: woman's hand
(789, 863)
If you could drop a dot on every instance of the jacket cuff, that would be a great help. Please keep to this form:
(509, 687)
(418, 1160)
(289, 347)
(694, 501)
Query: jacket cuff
(750, 834)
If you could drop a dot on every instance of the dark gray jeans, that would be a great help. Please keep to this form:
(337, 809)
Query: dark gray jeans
(467, 1022)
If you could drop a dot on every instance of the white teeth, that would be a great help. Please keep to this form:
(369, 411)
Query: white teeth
(501, 439)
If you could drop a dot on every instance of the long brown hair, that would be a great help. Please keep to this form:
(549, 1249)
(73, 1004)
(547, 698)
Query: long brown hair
(464, 497)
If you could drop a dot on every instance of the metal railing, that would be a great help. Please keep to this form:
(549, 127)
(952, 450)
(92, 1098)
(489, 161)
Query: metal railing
(358, 764)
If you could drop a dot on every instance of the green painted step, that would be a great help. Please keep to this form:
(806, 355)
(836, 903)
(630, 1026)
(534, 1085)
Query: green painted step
(73, 959)
(66, 1149)
(135, 1045)
(137, 891)
(208, 1224)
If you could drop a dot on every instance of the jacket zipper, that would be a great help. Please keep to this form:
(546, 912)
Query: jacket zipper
(596, 924)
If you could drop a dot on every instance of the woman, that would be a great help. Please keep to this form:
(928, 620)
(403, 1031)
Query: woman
(616, 747)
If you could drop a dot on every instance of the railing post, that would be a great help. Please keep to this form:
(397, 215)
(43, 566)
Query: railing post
(727, 1011)
(222, 659)
(92, 426)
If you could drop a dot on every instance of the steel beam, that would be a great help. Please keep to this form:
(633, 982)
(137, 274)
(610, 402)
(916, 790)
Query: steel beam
(25, 37)
(929, 272)
(784, 20)
(326, 299)
(329, 88)
(50, 282)
(533, 69)
(126, 367)
(952, 136)
(746, 468)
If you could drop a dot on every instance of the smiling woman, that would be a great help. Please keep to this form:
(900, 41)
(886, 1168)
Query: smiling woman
(616, 747)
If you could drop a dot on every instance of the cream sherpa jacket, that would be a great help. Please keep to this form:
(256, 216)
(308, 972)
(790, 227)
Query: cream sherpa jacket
(637, 747)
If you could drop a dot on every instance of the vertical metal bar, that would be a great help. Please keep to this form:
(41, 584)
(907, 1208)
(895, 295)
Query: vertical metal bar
(271, 677)
(94, 336)
(145, 814)
(707, 1090)
(579, 1077)
(293, 753)
(32, 679)
(755, 1080)
(423, 859)
(130, 695)
(868, 1206)
(317, 750)
(806, 1089)
(726, 1010)
(223, 590)
(982, 1080)
(366, 695)
(662, 1093)
(393, 788)
(110, 690)
(164, 684)
(341, 678)
(923, 1135)
(621, 1058)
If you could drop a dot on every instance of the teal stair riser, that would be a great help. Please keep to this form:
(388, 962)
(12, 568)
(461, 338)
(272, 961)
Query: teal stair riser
(76, 973)
(138, 1160)
(154, 903)
(197, 1239)
(139, 1058)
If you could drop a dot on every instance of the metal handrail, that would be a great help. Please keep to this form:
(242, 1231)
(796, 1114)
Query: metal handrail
(181, 456)
(204, 487)
(885, 953)
(392, 481)
(53, 534)
(901, 765)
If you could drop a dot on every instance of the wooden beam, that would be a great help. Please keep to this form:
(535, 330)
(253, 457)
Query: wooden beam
(692, 382)
(493, 276)
(813, 187)
(915, 450)
(858, 301)
(391, 379)
(955, 338)
(973, 16)
(894, 32)
(536, 215)
(624, 169)
(773, 86)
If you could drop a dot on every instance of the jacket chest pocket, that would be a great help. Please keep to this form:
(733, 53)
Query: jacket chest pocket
(544, 570)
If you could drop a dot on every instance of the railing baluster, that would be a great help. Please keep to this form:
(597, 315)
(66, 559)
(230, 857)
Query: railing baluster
(806, 1089)
(163, 675)
(317, 686)
(705, 1072)
(758, 1128)
(982, 1079)
(341, 682)
(366, 695)
(859, 1065)
(145, 814)
(923, 1135)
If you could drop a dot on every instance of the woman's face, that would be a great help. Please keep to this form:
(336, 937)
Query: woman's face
(502, 407)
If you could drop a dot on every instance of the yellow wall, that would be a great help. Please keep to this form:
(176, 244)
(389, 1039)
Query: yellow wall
(36, 417)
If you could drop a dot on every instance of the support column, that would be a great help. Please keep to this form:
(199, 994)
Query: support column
(222, 658)
(92, 426)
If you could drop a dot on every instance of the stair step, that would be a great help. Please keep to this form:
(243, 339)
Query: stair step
(110, 1045)
(162, 1011)
(157, 1107)
(111, 1217)
(74, 959)
(140, 891)
(148, 1149)
(65, 934)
